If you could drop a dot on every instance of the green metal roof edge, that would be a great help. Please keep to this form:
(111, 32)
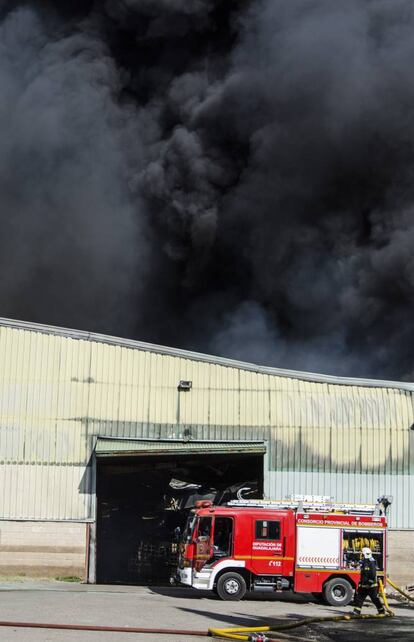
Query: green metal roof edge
(198, 356)
(167, 446)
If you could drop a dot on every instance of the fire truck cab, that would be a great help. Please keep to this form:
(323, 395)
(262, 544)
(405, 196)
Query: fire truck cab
(303, 544)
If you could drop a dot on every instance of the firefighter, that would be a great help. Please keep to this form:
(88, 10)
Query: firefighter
(368, 585)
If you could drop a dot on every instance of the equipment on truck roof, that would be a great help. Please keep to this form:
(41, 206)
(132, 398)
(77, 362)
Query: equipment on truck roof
(315, 503)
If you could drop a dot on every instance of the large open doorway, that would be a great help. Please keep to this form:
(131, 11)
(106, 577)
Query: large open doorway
(142, 498)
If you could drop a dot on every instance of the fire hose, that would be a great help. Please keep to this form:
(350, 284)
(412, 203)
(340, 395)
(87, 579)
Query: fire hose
(103, 629)
(250, 634)
(258, 634)
(397, 588)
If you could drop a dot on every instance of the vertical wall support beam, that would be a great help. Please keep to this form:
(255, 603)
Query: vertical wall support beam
(91, 576)
(266, 468)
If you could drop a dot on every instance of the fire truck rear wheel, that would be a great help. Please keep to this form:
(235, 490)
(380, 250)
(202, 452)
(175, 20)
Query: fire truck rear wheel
(338, 592)
(231, 586)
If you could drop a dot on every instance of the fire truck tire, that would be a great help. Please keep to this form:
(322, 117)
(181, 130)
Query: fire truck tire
(231, 586)
(338, 592)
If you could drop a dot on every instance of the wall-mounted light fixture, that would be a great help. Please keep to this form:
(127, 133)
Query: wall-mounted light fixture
(185, 386)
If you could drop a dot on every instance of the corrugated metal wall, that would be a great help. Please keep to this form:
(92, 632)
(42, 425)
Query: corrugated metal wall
(58, 393)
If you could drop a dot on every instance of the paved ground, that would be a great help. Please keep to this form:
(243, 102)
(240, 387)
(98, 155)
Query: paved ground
(178, 609)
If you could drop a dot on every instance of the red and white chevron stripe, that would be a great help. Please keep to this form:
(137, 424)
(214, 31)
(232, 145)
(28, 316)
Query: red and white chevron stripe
(312, 559)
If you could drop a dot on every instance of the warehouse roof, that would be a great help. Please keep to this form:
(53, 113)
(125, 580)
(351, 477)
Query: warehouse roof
(197, 356)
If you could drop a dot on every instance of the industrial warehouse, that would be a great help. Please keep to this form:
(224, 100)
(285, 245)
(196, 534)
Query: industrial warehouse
(107, 443)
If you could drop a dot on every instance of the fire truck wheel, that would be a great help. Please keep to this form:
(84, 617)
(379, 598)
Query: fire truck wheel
(338, 592)
(231, 586)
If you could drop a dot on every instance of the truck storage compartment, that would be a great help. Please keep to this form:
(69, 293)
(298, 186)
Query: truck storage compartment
(353, 541)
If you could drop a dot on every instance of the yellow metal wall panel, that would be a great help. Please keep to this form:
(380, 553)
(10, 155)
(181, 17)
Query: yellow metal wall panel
(408, 416)
(39, 440)
(345, 448)
(200, 403)
(43, 492)
(325, 408)
(191, 408)
(74, 374)
(129, 403)
(160, 401)
(71, 441)
(256, 398)
(57, 393)
(219, 393)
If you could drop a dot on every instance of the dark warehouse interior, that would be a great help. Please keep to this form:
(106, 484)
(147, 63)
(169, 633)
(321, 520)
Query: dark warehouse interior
(142, 499)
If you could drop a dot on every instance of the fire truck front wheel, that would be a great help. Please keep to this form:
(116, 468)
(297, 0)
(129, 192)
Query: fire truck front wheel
(231, 586)
(338, 592)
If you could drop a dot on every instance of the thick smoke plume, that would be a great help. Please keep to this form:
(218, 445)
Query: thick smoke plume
(232, 177)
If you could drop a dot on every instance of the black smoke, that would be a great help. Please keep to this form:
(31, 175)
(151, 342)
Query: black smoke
(232, 177)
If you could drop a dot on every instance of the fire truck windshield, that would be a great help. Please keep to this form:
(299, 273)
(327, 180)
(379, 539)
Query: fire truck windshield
(187, 535)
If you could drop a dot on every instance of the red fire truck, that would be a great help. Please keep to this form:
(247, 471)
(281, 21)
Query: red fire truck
(304, 544)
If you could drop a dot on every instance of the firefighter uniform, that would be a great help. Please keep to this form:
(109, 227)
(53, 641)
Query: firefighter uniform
(368, 584)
